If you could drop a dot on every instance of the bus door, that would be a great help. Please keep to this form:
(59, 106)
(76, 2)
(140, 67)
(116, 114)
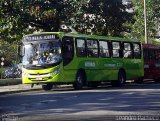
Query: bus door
(67, 50)
(67, 55)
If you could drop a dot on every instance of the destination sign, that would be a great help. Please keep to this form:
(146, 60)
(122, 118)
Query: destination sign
(40, 37)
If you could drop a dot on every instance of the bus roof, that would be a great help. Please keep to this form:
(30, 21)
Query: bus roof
(43, 33)
(151, 46)
(99, 37)
(85, 36)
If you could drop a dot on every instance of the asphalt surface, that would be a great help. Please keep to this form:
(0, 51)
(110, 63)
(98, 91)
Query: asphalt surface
(131, 102)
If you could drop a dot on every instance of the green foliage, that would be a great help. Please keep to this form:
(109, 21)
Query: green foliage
(153, 14)
(9, 52)
(20, 17)
(103, 17)
(6, 82)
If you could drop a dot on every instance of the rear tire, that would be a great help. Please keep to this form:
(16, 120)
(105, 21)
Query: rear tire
(121, 79)
(47, 87)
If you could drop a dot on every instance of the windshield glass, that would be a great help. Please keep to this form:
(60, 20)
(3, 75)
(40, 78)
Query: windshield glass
(40, 53)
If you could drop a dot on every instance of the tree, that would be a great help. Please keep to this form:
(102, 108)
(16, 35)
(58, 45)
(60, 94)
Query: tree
(9, 52)
(19, 17)
(104, 17)
(153, 17)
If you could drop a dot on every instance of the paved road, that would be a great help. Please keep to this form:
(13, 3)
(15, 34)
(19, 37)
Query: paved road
(103, 103)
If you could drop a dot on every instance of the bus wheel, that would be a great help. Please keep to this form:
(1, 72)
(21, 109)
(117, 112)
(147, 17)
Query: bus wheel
(47, 87)
(78, 84)
(121, 79)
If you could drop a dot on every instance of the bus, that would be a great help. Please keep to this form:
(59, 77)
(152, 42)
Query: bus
(54, 58)
(151, 62)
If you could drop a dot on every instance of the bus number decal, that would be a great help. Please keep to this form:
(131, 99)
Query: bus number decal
(90, 64)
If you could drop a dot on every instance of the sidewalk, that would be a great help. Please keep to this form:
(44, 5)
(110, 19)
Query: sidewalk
(18, 88)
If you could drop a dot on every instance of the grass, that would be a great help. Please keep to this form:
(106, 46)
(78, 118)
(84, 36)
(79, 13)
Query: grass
(5, 82)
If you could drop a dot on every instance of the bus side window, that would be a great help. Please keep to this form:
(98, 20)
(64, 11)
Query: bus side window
(116, 49)
(137, 50)
(127, 51)
(81, 47)
(104, 49)
(67, 50)
(92, 48)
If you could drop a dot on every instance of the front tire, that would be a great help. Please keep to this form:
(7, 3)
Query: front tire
(47, 87)
(79, 82)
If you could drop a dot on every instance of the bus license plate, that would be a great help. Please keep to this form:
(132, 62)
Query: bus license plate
(39, 78)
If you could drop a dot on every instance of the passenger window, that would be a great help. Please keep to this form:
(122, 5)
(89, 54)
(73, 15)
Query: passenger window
(92, 48)
(81, 50)
(104, 49)
(115, 49)
(127, 52)
(137, 50)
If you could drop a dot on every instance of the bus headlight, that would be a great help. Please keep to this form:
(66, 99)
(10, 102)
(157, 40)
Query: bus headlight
(55, 72)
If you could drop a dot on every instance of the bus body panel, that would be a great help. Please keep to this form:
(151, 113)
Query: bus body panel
(134, 68)
(104, 69)
(42, 75)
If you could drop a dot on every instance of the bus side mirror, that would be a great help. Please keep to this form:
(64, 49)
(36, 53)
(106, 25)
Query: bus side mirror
(20, 50)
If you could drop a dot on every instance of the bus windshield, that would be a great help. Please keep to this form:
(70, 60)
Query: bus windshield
(41, 53)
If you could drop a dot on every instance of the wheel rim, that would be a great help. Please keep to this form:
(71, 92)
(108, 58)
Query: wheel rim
(122, 79)
(79, 79)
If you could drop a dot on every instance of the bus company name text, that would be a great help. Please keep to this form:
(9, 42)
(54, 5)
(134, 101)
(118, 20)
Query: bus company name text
(40, 37)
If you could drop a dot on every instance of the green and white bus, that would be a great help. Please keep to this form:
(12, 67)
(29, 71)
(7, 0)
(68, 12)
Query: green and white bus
(52, 58)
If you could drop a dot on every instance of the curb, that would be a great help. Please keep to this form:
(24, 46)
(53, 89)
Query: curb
(18, 91)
